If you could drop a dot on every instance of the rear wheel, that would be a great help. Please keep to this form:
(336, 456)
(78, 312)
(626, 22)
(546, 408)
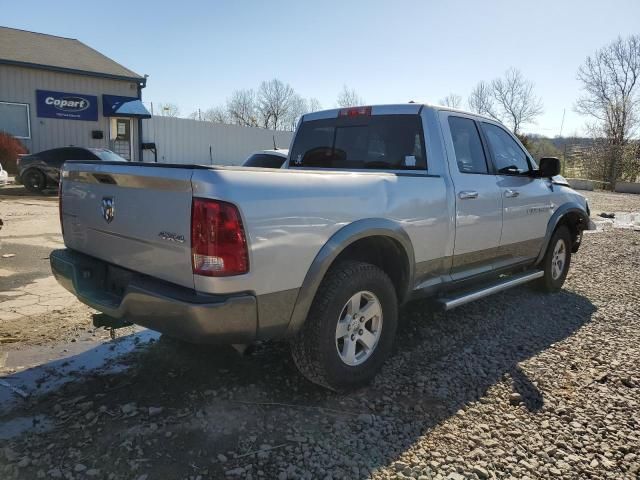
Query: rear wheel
(350, 328)
(556, 261)
(34, 180)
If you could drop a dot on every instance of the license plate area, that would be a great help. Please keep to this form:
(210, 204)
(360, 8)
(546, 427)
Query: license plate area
(116, 280)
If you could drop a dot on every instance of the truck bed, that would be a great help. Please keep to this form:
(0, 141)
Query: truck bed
(288, 216)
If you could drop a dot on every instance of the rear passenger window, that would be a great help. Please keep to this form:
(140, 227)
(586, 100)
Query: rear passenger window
(467, 145)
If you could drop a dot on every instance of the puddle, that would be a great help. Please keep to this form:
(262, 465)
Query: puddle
(44, 369)
(27, 357)
(19, 425)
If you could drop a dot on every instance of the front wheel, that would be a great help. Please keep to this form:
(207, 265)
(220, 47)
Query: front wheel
(350, 328)
(556, 261)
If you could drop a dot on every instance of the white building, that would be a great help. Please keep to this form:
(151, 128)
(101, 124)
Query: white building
(57, 92)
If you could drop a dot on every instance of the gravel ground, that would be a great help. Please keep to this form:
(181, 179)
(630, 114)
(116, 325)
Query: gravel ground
(517, 385)
(600, 201)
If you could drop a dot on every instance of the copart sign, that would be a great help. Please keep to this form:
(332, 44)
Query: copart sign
(69, 106)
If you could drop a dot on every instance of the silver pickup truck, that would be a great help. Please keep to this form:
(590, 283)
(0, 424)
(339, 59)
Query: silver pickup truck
(376, 206)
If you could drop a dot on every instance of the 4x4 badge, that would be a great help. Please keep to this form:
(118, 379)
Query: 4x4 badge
(108, 209)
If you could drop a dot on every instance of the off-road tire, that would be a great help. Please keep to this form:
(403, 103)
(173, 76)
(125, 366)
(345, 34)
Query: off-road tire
(314, 347)
(548, 283)
(34, 180)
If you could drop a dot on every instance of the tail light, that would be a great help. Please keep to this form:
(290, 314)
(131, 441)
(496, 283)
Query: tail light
(218, 243)
(60, 204)
(355, 112)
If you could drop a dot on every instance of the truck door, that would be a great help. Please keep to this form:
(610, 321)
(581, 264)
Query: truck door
(477, 197)
(526, 201)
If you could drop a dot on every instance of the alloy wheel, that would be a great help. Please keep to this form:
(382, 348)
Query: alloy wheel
(359, 328)
(559, 259)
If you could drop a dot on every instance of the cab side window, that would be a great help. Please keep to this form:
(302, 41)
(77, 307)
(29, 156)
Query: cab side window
(508, 157)
(467, 145)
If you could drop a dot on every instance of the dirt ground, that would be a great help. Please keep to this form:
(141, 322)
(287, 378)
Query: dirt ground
(34, 308)
(520, 384)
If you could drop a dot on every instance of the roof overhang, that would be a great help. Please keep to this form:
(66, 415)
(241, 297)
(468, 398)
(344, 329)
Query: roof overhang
(142, 81)
(117, 106)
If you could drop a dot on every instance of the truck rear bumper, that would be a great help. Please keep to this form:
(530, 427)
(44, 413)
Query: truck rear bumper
(172, 310)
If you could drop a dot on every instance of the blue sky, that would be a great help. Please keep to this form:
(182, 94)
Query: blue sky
(197, 52)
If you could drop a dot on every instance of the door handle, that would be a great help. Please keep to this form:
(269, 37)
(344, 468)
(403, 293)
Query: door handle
(467, 194)
(508, 193)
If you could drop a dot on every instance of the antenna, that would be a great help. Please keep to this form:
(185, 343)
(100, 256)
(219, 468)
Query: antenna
(564, 153)
(274, 142)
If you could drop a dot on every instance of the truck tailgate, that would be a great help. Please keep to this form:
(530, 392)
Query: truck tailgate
(134, 216)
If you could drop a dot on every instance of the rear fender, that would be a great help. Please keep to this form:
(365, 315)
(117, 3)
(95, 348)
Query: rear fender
(329, 252)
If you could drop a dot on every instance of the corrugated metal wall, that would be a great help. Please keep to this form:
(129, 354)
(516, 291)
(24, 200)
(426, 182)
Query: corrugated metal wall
(19, 84)
(180, 140)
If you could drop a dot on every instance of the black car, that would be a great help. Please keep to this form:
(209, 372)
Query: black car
(267, 159)
(40, 170)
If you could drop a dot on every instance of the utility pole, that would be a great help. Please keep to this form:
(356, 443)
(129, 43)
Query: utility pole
(564, 155)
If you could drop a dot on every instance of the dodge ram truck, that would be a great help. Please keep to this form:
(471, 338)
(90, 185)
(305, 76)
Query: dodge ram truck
(375, 206)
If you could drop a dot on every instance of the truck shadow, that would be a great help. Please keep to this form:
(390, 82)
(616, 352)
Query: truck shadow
(18, 191)
(216, 399)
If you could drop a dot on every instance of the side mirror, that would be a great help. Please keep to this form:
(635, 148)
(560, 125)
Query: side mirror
(549, 167)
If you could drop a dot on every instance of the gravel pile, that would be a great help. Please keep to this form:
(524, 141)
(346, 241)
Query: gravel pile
(518, 385)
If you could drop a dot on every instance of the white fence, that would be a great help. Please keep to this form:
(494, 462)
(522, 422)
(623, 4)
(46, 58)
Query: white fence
(580, 184)
(627, 187)
(180, 140)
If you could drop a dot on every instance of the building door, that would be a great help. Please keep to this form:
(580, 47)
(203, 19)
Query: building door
(120, 137)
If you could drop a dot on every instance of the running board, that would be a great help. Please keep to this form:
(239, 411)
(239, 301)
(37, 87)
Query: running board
(512, 281)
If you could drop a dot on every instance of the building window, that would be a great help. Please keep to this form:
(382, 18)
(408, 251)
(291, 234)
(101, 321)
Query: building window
(14, 119)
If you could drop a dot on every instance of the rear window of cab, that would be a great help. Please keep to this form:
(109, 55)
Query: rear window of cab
(375, 142)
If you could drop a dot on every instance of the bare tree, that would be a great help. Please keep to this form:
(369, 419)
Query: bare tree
(314, 105)
(275, 105)
(452, 100)
(213, 114)
(216, 115)
(481, 100)
(515, 98)
(611, 97)
(242, 108)
(298, 107)
(348, 97)
(275, 101)
(168, 110)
